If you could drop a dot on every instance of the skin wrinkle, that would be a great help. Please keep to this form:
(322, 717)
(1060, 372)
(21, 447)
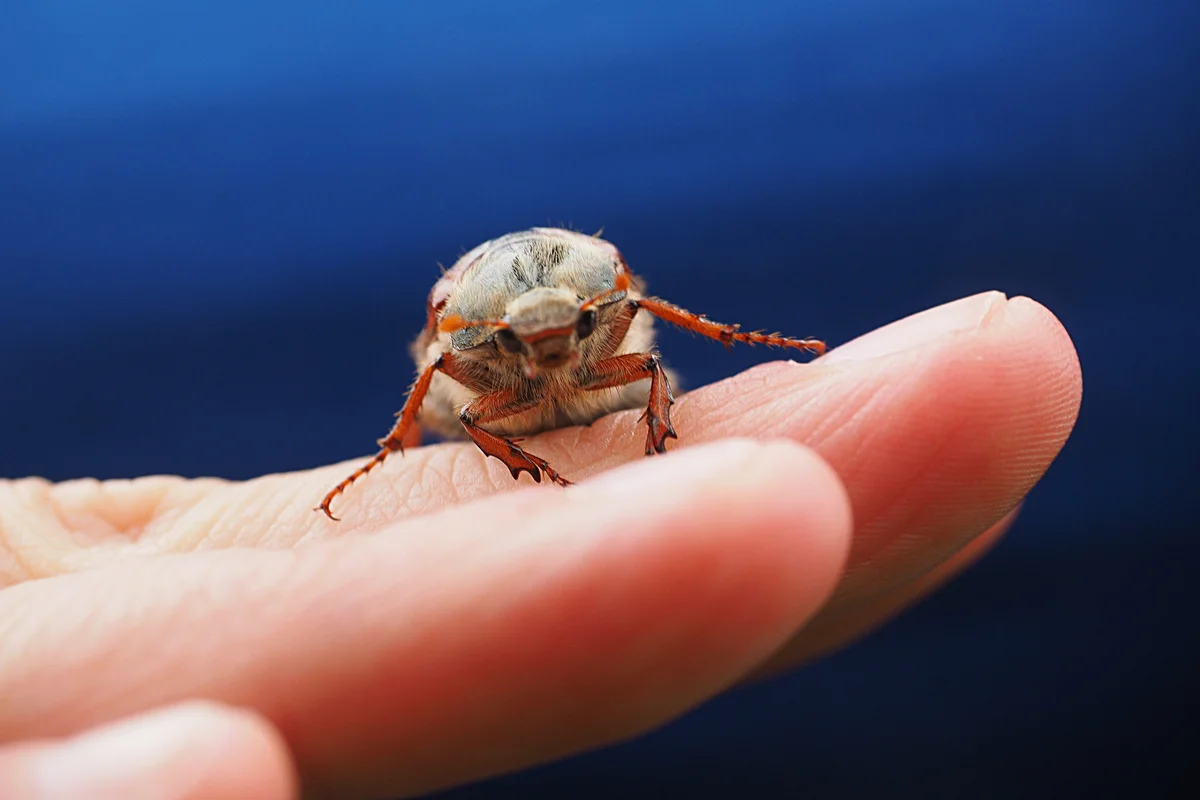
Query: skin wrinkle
(830, 625)
(414, 493)
(1064, 398)
(620, 434)
(909, 541)
(1057, 393)
(404, 491)
(875, 552)
(135, 527)
(269, 508)
(577, 438)
(822, 429)
(801, 426)
(12, 553)
(11, 570)
(449, 477)
(276, 532)
(37, 549)
(427, 488)
(1025, 461)
(92, 627)
(466, 460)
(179, 503)
(828, 431)
(75, 526)
(896, 511)
(108, 499)
(171, 537)
(747, 405)
(272, 507)
(66, 500)
(218, 520)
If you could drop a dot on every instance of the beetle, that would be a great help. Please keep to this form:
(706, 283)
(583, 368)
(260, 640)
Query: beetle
(542, 329)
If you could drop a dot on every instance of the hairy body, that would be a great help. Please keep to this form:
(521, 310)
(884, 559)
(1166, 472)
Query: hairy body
(538, 330)
(566, 264)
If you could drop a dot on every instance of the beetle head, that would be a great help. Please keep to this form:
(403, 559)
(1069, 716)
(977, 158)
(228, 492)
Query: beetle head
(535, 298)
(544, 328)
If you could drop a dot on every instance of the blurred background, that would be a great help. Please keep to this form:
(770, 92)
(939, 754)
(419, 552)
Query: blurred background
(219, 221)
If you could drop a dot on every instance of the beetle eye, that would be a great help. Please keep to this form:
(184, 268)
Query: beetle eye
(586, 324)
(508, 341)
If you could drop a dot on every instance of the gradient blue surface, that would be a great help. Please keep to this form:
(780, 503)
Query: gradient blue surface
(218, 224)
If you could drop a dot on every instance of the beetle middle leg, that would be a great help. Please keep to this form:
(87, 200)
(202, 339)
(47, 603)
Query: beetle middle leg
(622, 370)
(498, 405)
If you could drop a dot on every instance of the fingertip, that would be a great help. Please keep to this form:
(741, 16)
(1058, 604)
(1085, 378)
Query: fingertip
(251, 751)
(773, 507)
(1025, 312)
(801, 503)
(779, 477)
(1046, 383)
(193, 751)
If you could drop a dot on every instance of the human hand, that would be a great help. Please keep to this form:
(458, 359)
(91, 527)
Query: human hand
(451, 628)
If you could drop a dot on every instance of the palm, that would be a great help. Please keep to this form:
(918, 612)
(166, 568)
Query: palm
(450, 628)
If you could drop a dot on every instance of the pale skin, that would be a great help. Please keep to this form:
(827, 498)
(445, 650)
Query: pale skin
(460, 624)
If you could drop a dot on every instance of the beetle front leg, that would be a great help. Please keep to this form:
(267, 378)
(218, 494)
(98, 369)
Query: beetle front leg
(394, 441)
(621, 370)
(725, 334)
(497, 405)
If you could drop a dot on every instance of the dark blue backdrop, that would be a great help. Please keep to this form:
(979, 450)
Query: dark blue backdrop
(217, 226)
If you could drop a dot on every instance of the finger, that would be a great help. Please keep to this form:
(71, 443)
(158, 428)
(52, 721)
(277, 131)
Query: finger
(879, 411)
(49, 529)
(191, 751)
(943, 438)
(490, 636)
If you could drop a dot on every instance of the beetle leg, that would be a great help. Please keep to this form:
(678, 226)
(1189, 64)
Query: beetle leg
(395, 439)
(622, 370)
(726, 334)
(497, 405)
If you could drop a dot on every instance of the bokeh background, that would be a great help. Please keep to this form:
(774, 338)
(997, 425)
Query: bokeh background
(218, 222)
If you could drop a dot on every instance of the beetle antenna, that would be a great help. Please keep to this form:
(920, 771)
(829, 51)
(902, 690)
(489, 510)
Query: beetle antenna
(454, 323)
(622, 285)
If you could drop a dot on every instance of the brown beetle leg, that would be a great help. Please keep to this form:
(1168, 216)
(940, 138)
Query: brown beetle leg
(497, 405)
(726, 334)
(395, 439)
(621, 370)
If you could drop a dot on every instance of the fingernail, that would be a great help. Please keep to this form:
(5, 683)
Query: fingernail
(967, 313)
(115, 760)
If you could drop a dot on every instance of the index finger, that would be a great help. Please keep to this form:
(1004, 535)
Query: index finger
(951, 433)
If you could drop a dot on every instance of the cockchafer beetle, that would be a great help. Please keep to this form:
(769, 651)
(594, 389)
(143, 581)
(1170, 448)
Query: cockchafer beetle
(536, 330)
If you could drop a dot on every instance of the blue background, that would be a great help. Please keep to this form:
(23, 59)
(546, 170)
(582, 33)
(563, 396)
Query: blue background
(218, 224)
